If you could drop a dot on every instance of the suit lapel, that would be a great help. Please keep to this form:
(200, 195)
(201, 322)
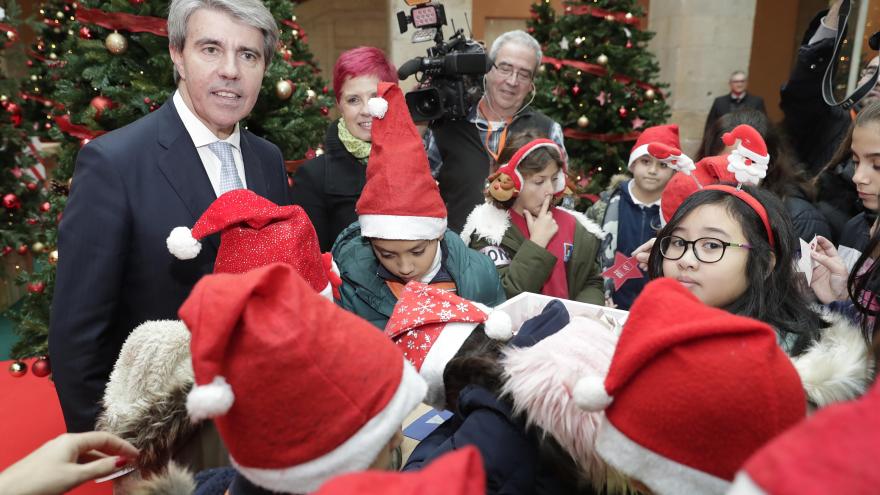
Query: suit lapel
(180, 163)
(253, 168)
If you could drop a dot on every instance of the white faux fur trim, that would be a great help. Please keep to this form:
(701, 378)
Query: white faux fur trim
(442, 351)
(153, 360)
(328, 291)
(182, 244)
(663, 476)
(751, 155)
(636, 154)
(173, 480)
(498, 326)
(744, 485)
(211, 400)
(838, 366)
(488, 222)
(377, 106)
(400, 227)
(591, 226)
(355, 454)
(590, 394)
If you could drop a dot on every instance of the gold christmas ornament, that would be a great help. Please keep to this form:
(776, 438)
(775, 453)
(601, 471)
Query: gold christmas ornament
(602, 59)
(311, 96)
(283, 89)
(649, 93)
(53, 257)
(583, 121)
(38, 247)
(542, 68)
(116, 43)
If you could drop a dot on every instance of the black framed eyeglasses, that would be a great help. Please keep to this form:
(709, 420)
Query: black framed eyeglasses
(706, 249)
(506, 70)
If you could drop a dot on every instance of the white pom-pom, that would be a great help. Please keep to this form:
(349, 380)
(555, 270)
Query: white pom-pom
(589, 394)
(209, 401)
(377, 106)
(182, 244)
(498, 326)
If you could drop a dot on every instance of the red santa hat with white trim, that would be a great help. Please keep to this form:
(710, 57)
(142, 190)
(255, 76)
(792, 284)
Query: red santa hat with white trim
(400, 201)
(255, 232)
(834, 451)
(666, 135)
(299, 389)
(430, 325)
(749, 158)
(688, 399)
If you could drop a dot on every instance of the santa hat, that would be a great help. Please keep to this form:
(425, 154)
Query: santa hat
(507, 181)
(834, 451)
(666, 134)
(430, 325)
(400, 201)
(459, 472)
(539, 379)
(709, 170)
(300, 389)
(691, 393)
(256, 232)
(749, 159)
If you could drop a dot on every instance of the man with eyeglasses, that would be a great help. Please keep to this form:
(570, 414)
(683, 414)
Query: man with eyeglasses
(462, 153)
(737, 99)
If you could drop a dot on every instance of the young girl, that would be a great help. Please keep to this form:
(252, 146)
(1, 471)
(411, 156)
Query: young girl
(733, 249)
(536, 246)
(401, 232)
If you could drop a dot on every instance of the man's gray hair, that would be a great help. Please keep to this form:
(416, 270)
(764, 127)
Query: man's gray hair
(250, 12)
(738, 73)
(519, 37)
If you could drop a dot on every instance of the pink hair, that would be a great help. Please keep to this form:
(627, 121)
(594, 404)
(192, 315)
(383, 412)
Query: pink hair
(362, 61)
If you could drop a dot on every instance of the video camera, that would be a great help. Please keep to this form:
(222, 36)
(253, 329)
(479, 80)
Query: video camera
(450, 80)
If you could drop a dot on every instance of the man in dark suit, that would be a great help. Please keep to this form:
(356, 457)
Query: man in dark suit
(737, 99)
(131, 187)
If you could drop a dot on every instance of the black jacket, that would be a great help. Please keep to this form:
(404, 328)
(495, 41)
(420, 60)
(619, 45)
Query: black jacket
(725, 104)
(815, 128)
(328, 188)
(807, 220)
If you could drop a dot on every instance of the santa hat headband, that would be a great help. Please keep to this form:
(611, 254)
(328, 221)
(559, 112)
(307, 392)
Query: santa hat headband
(430, 325)
(686, 400)
(400, 201)
(511, 170)
(666, 135)
(753, 203)
(299, 389)
(255, 232)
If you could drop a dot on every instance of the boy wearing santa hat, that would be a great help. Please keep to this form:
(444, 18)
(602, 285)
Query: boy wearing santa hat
(401, 232)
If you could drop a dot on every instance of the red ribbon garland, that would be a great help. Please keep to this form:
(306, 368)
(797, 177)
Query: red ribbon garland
(40, 99)
(598, 70)
(6, 28)
(602, 14)
(38, 157)
(76, 130)
(605, 138)
(120, 21)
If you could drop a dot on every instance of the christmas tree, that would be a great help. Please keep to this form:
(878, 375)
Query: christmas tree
(596, 80)
(99, 65)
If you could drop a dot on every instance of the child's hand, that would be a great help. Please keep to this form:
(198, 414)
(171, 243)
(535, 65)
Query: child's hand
(543, 227)
(829, 274)
(643, 252)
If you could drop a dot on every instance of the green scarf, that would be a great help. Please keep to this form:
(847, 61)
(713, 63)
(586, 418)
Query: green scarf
(360, 149)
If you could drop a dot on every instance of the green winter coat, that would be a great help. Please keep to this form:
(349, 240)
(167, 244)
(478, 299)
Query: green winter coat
(524, 266)
(367, 295)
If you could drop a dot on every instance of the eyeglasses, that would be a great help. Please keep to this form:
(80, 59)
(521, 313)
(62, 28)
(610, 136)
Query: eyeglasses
(737, 80)
(706, 249)
(506, 70)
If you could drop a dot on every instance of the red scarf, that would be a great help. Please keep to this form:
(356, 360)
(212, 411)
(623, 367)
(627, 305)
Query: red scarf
(557, 284)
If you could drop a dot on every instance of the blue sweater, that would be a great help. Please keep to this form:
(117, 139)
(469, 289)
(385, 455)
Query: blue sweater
(636, 224)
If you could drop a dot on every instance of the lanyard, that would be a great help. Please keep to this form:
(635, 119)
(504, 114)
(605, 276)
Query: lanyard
(501, 139)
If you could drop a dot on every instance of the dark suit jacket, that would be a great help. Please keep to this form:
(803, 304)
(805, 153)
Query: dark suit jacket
(130, 188)
(725, 104)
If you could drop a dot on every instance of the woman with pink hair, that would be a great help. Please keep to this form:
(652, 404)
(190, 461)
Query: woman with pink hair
(328, 186)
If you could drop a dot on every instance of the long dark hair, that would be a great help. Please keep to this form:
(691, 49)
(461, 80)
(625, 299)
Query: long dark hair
(868, 115)
(784, 176)
(775, 295)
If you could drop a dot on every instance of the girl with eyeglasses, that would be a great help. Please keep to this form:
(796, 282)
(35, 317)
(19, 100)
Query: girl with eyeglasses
(733, 249)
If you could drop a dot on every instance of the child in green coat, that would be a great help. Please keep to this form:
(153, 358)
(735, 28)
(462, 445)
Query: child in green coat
(536, 247)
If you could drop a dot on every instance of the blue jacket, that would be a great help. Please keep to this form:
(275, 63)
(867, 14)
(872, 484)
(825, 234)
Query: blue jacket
(367, 295)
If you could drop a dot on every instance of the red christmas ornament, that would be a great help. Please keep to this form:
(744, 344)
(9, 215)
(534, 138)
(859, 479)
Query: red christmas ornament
(531, 30)
(623, 112)
(100, 104)
(32, 221)
(310, 153)
(85, 33)
(325, 90)
(147, 100)
(16, 120)
(325, 111)
(41, 367)
(7, 250)
(18, 369)
(576, 90)
(629, 43)
(22, 249)
(45, 207)
(31, 186)
(36, 287)
(11, 202)
(136, 2)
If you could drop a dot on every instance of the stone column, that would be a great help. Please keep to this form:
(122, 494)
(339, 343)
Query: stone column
(698, 44)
